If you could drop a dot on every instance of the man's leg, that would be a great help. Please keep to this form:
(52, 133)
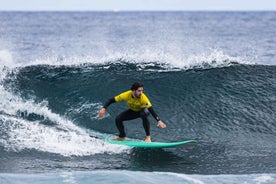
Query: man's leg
(126, 115)
(146, 124)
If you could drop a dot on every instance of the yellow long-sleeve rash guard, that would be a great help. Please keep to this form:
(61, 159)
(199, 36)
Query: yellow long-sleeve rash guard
(135, 104)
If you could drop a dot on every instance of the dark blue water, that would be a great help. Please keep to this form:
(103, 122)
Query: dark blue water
(211, 76)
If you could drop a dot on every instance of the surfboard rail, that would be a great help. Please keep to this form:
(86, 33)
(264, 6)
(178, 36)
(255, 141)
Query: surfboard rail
(142, 144)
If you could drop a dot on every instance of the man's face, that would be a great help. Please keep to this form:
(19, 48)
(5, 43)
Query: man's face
(137, 93)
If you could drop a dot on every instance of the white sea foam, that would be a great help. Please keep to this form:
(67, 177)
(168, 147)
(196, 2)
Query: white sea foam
(212, 58)
(264, 179)
(64, 137)
(113, 176)
(6, 58)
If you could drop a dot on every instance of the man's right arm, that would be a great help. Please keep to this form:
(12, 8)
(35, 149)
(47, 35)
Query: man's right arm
(103, 109)
(108, 102)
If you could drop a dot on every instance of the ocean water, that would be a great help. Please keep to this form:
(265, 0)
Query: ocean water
(211, 76)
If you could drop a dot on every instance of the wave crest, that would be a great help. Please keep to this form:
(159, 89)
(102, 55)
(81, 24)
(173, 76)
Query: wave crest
(145, 61)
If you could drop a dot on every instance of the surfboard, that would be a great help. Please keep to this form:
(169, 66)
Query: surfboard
(142, 144)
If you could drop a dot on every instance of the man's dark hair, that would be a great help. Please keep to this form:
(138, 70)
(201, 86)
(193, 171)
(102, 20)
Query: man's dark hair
(136, 85)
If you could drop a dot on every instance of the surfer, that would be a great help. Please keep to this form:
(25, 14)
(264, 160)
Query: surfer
(139, 107)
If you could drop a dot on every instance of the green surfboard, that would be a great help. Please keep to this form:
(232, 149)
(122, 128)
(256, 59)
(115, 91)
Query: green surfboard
(142, 144)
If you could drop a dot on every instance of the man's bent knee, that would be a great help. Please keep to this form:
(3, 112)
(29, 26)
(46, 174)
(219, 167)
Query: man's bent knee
(144, 113)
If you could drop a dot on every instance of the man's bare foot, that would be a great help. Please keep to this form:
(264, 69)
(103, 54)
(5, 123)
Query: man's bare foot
(119, 139)
(148, 139)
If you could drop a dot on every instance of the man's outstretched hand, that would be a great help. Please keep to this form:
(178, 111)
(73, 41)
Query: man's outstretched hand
(101, 112)
(161, 124)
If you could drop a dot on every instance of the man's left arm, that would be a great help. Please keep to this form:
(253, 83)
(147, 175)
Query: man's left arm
(159, 122)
